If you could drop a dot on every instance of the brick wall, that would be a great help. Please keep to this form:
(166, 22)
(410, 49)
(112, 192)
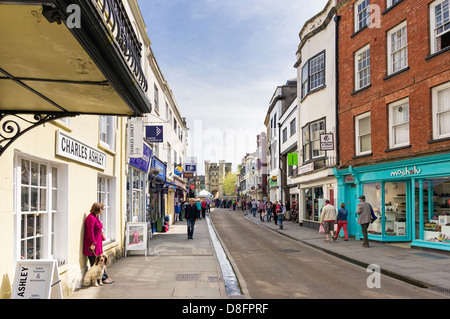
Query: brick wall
(415, 83)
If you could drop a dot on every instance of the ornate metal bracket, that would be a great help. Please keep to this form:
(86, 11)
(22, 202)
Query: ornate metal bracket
(13, 126)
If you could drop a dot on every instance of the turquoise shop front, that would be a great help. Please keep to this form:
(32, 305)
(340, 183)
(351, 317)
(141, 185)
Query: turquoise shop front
(411, 199)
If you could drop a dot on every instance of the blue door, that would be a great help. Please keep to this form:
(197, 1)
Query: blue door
(351, 204)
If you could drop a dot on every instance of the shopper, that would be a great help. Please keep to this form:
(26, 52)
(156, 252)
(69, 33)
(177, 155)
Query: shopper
(327, 219)
(93, 237)
(365, 217)
(262, 210)
(281, 214)
(177, 211)
(203, 208)
(199, 207)
(192, 215)
(342, 221)
(276, 210)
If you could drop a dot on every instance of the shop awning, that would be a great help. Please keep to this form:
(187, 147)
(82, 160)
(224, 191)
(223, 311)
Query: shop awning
(90, 67)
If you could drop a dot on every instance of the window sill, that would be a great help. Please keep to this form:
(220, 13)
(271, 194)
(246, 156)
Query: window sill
(437, 53)
(106, 148)
(357, 32)
(396, 73)
(361, 89)
(391, 7)
(443, 139)
(397, 148)
(362, 155)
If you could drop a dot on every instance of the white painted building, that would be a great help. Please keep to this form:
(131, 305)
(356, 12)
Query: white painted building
(316, 74)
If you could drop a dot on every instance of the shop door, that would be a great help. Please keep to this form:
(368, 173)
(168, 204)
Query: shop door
(351, 205)
(397, 209)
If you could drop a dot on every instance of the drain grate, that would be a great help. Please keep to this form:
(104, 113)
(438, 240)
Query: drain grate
(186, 277)
(289, 251)
(214, 279)
(441, 290)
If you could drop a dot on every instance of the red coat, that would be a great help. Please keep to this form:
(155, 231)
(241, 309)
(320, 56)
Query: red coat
(92, 235)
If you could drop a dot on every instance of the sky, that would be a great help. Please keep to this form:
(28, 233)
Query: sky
(223, 60)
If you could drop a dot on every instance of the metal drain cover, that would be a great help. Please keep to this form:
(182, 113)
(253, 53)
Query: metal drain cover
(186, 277)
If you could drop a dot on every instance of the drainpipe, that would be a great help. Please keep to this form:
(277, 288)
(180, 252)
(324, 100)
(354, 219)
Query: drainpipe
(337, 19)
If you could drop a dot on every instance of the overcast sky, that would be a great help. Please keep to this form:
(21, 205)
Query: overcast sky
(223, 60)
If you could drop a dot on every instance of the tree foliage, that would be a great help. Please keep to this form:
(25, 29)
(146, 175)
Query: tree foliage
(229, 184)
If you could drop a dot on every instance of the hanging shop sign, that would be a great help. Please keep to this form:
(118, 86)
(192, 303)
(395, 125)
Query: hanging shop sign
(135, 139)
(161, 167)
(327, 142)
(190, 168)
(155, 134)
(178, 171)
(68, 147)
(143, 163)
(292, 159)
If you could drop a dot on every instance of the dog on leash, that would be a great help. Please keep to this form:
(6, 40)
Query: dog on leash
(95, 273)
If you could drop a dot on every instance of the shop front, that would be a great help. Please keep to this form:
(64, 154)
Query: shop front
(157, 194)
(136, 186)
(411, 199)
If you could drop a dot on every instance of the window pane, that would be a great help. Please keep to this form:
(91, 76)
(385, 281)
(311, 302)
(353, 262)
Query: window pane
(444, 123)
(34, 174)
(365, 143)
(401, 134)
(25, 199)
(54, 177)
(444, 100)
(364, 126)
(34, 199)
(30, 225)
(43, 200)
(43, 175)
(25, 169)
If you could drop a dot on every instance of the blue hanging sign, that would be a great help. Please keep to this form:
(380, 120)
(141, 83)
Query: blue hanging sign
(154, 134)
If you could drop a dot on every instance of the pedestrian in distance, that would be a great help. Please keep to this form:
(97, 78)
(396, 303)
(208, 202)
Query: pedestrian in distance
(269, 211)
(192, 215)
(254, 207)
(342, 221)
(262, 210)
(327, 219)
(94, 236)
(276, 210)
(203, 208)
(281, 214)
(364, 213)
(199, 207)
(177, 211)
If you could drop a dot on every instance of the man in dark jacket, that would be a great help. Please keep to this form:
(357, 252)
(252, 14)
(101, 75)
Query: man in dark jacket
(191, 216)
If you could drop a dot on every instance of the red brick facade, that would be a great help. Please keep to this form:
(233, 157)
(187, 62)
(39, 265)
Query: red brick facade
(424, 71)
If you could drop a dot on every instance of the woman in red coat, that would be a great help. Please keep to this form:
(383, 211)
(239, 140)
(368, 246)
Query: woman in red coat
(93, 237)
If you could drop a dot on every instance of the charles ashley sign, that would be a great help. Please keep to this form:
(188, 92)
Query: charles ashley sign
(73, 149)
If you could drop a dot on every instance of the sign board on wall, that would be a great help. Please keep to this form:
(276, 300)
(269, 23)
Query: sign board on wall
(37, 279)
(71, 148)
(326, 142)
(155, 134)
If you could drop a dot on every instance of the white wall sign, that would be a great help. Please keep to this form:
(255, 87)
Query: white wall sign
(326, 142)
(37, 279)
(71, 148)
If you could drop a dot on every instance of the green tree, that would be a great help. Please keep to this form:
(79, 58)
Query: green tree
(229, 184)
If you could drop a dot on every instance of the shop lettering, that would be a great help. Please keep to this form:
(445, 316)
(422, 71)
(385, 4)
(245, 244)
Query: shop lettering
(407, 171)
(76, 149)
(22, 282)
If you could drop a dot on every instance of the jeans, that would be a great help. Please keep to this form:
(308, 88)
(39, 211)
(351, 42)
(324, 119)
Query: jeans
(190, 228)
(254, 212)
(280, 220)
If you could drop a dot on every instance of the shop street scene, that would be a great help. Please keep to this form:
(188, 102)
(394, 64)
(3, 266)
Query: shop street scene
(225, 151)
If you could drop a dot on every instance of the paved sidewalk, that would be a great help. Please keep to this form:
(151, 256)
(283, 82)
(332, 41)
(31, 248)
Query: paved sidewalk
(175, 267)
(424, 268)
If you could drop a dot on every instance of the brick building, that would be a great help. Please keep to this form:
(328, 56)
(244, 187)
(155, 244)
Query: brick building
(394, 117)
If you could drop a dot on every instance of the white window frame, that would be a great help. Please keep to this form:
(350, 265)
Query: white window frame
(359, 57)
(434, 28)
(436, 115)
(314, 74)
(106, 196)
(402, 50)
(393, 108)
(358, 25)
(107, 131)
(390, 3)
(308, 142)
(53, 217)
(358, 118)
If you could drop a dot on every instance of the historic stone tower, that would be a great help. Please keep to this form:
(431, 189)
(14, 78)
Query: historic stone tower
(214, 176)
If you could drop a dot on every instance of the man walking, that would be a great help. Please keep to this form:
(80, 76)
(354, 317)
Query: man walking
(192, 215)
(365, 217)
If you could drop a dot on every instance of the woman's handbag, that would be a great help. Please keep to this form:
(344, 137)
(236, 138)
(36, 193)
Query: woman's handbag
(321, 229)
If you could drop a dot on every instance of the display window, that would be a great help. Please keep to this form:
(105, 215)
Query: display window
(136, 195)
(433, 210)
(314, 202)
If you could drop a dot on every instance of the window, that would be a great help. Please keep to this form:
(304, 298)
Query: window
(362, 68)
(441, 111)
(167, 111)
(104, 196)
(362, 13)
(293, 127)
(38, 185)
(391, 3)
(313, 74)
(285, 135)
(397, 44)
(399, 123)
(363, 134)
(440, 25)
(107, 131)
(156, 99)
(311, 140)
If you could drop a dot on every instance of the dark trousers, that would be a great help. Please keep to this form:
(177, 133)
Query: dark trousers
(364, 232)
(190, 227)
(92, 262)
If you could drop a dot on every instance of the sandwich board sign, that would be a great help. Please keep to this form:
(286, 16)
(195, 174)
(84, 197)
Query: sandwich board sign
(37, 279)
(136, 238)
